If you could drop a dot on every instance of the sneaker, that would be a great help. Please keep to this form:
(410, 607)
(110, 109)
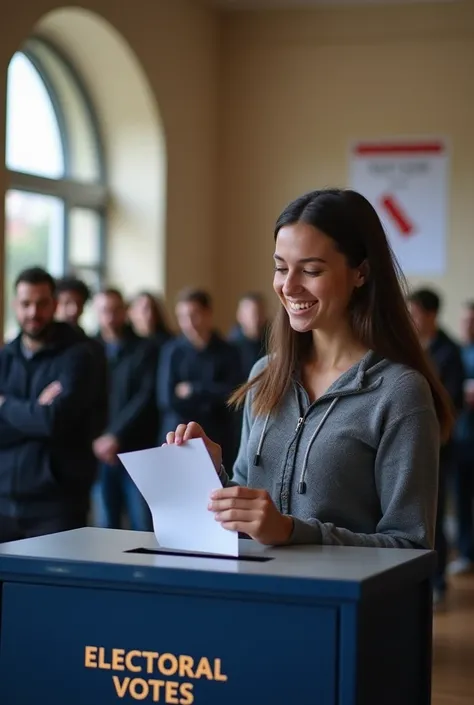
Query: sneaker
(460, 566)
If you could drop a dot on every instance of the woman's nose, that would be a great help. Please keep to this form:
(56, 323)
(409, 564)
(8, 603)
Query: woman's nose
(291, 285)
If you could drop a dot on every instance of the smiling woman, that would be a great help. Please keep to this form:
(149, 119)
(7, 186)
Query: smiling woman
(314, 290)
(343, 419)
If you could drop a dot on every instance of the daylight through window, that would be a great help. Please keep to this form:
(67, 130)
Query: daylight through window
(56, 201)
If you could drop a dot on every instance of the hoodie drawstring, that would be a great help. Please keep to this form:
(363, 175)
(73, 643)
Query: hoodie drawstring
(302, 483)
(258, 454)
(256, 460)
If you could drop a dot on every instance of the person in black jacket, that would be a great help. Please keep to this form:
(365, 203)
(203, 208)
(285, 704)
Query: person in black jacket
(48, 381)
(72, 296)
(147, 317)
(132, 417)
(446, 356)
(249, 333)
(249, 336)
(198, 371)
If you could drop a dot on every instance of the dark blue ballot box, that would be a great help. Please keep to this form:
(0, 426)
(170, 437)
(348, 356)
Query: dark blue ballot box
(101, 617)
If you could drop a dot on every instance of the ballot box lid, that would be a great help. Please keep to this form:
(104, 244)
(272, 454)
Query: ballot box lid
(133, 559)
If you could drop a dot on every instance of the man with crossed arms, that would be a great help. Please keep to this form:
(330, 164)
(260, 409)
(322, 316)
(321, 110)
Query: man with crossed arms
(48, 418)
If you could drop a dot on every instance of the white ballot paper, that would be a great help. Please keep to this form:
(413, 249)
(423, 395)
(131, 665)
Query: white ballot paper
(176, 482)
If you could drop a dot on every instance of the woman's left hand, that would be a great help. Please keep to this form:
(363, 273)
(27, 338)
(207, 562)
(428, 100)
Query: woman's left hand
(251, 512)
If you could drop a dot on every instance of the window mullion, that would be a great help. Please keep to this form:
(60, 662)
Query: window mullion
(66, 236)
(78, 194)
(103, 246)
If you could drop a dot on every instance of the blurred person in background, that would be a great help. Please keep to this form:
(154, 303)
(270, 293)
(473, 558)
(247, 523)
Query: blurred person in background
(48, 420)
(198, 372)
(464, 471)
(72, 297)
(72, 294)
(445, 354)
(250, 331)
(132, 418)
(147, 317)
(249, 336)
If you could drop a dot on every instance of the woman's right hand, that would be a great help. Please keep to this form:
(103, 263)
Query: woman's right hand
(185, 432)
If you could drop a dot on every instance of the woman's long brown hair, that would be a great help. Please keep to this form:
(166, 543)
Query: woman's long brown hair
(378, 311)
(161, 325)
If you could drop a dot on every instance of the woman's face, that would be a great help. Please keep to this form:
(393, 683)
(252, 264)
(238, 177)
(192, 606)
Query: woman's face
(142, 315)
(312, 279)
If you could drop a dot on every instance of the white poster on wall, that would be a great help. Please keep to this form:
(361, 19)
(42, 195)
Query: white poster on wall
(407, 183)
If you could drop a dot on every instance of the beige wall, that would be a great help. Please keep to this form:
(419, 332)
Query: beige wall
(299, 86)
(257, 108)
(176, 42)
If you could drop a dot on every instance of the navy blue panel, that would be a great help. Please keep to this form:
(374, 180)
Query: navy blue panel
(278, 653)
(348, 656)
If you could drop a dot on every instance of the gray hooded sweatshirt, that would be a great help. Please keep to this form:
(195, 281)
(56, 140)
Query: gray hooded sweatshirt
(358, 467)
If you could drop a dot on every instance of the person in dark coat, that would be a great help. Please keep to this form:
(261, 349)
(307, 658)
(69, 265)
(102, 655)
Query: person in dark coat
(446, 356)
(464, 472)
(73, 295)
(132, 418)
(48, 420)
(147, 318)
(249, 334)
(197, 373)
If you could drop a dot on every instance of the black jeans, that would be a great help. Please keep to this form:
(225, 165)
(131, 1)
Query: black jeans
(441, 545)
(115, 493)
(13, 529)
(464, 501)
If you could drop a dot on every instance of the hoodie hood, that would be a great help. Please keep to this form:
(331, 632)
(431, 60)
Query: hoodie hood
(363, 377)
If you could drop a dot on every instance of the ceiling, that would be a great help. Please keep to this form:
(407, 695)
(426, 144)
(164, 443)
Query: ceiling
(297, 4)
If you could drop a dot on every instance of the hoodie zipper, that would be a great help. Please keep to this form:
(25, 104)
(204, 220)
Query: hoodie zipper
(304, 414)
(324, 398)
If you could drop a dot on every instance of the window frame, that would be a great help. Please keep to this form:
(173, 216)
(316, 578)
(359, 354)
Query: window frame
(93, 195)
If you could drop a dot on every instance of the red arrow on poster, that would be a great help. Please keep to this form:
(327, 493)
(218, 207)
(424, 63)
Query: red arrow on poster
(398, 215)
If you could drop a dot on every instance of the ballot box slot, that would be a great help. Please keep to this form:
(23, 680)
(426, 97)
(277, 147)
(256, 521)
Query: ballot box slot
(196, 554)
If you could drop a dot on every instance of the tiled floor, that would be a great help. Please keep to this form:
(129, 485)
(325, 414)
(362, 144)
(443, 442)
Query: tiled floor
(453, 661)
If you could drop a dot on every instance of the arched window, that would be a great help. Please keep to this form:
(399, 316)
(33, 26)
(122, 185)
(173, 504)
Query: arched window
(57, 197)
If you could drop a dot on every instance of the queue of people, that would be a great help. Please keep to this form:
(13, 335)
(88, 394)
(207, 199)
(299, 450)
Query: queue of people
(454, 364)
(350, 431)
(117, 391)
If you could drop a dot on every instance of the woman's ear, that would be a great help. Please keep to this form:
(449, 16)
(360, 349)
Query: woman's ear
(362, 274)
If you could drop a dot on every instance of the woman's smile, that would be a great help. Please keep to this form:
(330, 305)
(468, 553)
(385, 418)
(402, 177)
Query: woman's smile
(300, 306)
